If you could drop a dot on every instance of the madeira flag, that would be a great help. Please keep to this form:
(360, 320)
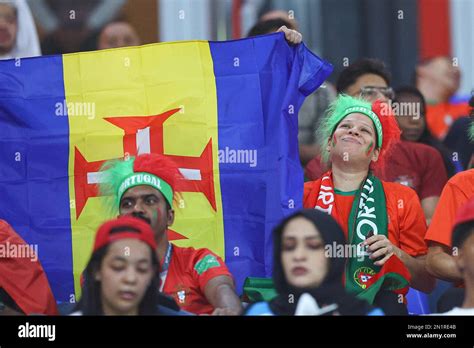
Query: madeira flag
(225, 112)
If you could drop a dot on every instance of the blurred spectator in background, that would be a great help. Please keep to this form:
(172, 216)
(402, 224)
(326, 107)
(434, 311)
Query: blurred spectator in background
(463, 241)
(458, 138)
(18, 36)
(315, 104)
(440, 261)
(117, 34)
(279, 14)
(311, 111)
(458, 190)
(411, 164)
(413, 125)
(292, 36)
(68, 23)
(438, 79)
(268, 27)
(368, 79)
(8, 28)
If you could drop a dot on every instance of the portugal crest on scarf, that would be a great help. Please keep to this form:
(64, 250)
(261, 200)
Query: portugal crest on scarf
(362, 275)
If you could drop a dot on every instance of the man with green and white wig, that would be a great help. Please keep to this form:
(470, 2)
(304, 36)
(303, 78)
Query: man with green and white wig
(145, 187)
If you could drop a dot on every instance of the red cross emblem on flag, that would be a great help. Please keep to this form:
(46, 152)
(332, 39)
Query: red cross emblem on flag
(144, 134)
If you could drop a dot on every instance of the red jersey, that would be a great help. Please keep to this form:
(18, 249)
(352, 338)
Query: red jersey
(406, 225)
(188, 274)
(439, 117)
(415, 165)
(458, 190)
(23, 278)
(315, 169)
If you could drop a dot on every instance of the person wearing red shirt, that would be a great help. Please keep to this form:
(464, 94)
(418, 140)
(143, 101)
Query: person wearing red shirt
(420, 167)
(440, 262)
(463, 241)
(458, 190)
(197, 279)
(191, 271)
(121, 275)
(357, 137)
(411, 106)
(24, 286)
(415, 165)
(438, 79)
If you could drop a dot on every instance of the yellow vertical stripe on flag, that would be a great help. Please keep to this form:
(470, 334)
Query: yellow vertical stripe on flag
(144, 81)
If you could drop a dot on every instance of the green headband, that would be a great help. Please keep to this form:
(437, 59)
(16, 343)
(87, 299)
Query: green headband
(369, 113)
(141, 178)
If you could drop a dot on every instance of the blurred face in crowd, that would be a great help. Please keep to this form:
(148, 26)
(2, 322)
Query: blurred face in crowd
(411, 125)
(125, 274)
(8, 28)
(303, 258)
(442, 72)
(370, 87)
(279, 14)
(465, 258)
(118, 34)
(149, 204)
(354, 140)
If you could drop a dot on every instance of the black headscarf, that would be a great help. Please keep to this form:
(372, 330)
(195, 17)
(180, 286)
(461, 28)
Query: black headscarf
(331, 290)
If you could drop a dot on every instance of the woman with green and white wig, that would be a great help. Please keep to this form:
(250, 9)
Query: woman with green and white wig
(381, 220)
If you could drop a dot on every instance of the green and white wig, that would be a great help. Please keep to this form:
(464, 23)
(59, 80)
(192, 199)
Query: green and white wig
(157, 171)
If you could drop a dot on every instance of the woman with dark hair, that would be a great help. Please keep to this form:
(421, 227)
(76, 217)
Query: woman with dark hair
(414, 127)
(308, 270)
(121, 277)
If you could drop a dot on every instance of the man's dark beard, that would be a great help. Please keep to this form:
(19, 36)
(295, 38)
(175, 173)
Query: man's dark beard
(142, 216)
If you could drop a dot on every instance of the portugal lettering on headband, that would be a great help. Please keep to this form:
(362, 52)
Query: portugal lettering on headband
(137, 179)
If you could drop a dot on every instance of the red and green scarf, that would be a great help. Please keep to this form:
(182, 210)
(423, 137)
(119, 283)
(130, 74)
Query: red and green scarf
(368, 217)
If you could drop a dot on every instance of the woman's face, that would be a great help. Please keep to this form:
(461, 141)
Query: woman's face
(125, 274)
(354, 140)
(411, 124)
(303, 258)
